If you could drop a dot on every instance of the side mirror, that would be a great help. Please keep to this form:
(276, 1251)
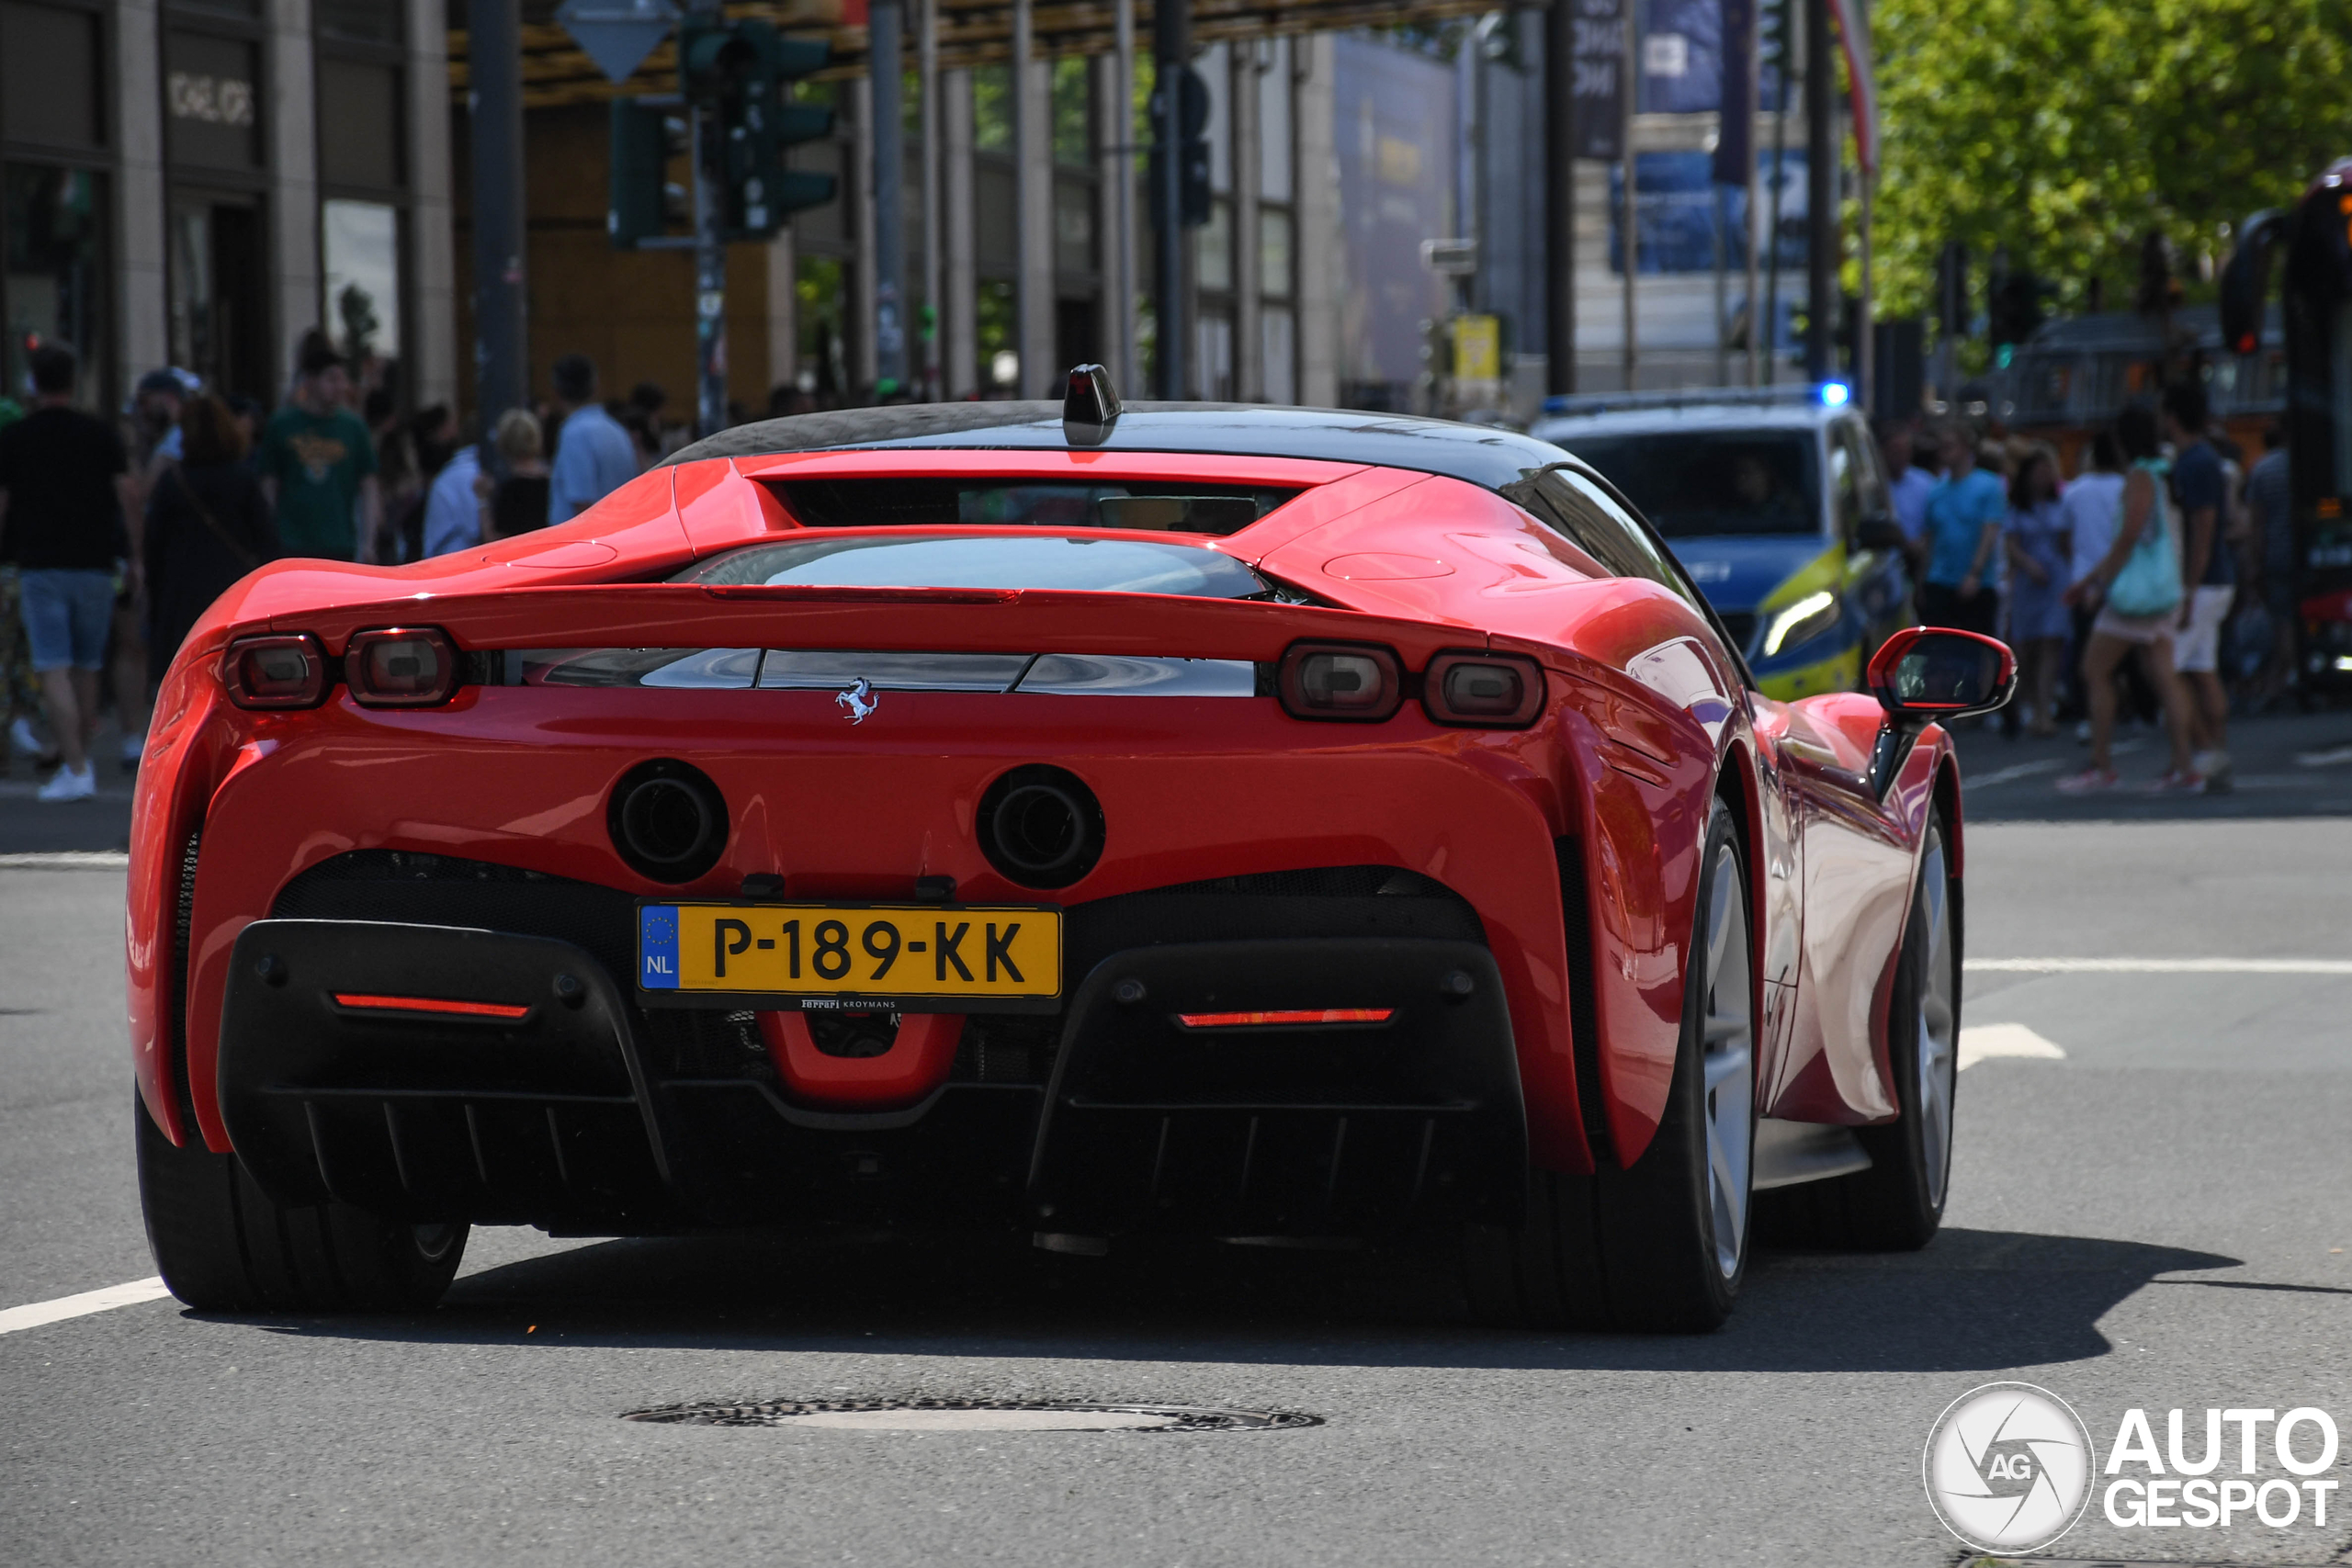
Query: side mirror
(1923, 673)
(1879, 532)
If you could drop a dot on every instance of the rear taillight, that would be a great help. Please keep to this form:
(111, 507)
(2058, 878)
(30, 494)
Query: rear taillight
(1492, 691)
(400, 667)
(1346, 680)
(274, 671)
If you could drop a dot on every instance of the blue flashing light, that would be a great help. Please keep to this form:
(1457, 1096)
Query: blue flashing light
(1835, 394)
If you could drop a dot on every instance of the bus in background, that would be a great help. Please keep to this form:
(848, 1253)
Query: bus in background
(2314, 236)
(2074, 376)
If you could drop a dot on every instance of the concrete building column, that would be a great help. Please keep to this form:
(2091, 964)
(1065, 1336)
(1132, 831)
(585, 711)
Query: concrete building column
(433, 291)
(144, 307)
(1243, 62)
(1317, 182)
(960, 275)
(1033, 187)
(1112, 132)
(783, 257)
(857, 321)
(292, 123)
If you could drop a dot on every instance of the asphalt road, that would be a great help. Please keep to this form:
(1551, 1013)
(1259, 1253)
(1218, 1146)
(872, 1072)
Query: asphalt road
(2156, 1219)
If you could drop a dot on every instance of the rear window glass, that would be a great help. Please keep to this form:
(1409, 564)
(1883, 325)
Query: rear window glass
(1176, 507)
(1691, 484)
(988, 560)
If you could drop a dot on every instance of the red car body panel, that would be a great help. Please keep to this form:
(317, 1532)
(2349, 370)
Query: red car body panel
(1648, 718)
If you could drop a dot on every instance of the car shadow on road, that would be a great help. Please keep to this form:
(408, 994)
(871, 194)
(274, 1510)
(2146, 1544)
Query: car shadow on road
(1972, 1301)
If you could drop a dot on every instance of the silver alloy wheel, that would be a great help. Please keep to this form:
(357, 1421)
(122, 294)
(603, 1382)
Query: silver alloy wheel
(1729, 1059)
(1935, 1045)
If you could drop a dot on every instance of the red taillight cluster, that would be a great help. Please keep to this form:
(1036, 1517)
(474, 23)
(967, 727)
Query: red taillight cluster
(390, 666)
(400, 667)
(1364, 683)
(275, 672)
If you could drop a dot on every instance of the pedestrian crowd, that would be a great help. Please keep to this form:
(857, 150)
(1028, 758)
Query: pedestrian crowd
(117, 535)
(2119, 588)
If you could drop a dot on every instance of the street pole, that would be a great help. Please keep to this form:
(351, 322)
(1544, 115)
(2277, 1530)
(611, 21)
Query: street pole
(1771, 326)
(502, 321)
(710, 256)
(1630, 226)
(1172, 46)
(927, 20)
(884, 25)
(1559, 198)
(1821, 196)
(1123, 196)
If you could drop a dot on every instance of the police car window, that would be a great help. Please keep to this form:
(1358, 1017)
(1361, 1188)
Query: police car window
(1706, 484)
(1592, 520)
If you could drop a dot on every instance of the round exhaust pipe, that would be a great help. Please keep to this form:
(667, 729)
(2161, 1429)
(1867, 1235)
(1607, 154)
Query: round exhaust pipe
(667, 820)
(1041, 826)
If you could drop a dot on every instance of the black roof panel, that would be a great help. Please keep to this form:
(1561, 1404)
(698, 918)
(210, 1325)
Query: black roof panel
(1487, 455)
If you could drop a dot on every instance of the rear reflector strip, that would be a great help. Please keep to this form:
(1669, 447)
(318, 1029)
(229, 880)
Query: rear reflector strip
(1301, 1016)
(431, 1004)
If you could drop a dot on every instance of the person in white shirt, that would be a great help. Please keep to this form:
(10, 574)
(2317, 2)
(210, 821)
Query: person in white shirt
(1907, 484)
(593, 455)
(452, 515)
(2090, 506)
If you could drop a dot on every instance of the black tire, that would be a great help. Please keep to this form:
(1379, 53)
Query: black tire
(222, 1245)
(1638, 1249)
(1898, 1203)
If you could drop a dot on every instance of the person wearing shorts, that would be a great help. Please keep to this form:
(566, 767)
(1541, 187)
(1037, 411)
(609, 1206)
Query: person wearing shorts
(64, 491)
(2208, 573)
(2115, 637)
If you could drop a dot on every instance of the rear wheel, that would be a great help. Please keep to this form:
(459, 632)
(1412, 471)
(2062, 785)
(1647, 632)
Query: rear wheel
(1663, 1245)
(1898, 1204)
(222, 1245)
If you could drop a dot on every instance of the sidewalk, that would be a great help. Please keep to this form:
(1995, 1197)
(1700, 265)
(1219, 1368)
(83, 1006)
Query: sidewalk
(28, 827)
(2284, 764)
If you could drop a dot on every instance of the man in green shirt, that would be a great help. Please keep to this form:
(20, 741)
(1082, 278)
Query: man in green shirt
(318, 464)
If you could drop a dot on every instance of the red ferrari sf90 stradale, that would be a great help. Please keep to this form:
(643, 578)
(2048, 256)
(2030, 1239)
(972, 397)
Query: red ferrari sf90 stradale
(1091, 820)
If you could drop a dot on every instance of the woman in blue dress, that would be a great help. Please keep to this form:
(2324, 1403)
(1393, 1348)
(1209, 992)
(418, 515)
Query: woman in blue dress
(2037, 538)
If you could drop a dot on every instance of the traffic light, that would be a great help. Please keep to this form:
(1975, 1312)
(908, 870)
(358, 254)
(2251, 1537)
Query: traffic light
(643, 202)
(742, 73)
(2014, 310)
(1192, 149)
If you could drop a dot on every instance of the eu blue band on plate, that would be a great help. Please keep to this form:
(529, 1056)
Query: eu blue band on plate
(658, 947)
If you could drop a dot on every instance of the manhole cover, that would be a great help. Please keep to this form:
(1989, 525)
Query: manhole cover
(974, 1415)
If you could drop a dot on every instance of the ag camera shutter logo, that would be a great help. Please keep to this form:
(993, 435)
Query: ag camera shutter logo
(2007, 1467)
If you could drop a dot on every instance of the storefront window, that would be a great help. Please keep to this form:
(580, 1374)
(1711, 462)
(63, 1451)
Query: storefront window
(55, 286)
(361, 245)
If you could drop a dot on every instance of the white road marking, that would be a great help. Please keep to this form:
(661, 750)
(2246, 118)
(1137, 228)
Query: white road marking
(65, 859)
(1983, 1039)
(2004, 775)
(2332, 757)
(89, 1301)
(2159, 965)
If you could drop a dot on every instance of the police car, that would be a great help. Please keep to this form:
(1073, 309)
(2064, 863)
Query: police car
(1775, 502)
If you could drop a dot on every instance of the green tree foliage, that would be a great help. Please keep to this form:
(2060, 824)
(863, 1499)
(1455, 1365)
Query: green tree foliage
(2066, 129)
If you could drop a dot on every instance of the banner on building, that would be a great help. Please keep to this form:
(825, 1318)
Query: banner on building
(1598, 87)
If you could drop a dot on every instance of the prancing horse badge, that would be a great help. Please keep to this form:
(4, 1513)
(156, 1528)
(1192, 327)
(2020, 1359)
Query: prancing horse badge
(859, 700)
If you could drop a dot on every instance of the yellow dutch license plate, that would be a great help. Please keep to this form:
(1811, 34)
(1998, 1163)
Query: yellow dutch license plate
(915, 958)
